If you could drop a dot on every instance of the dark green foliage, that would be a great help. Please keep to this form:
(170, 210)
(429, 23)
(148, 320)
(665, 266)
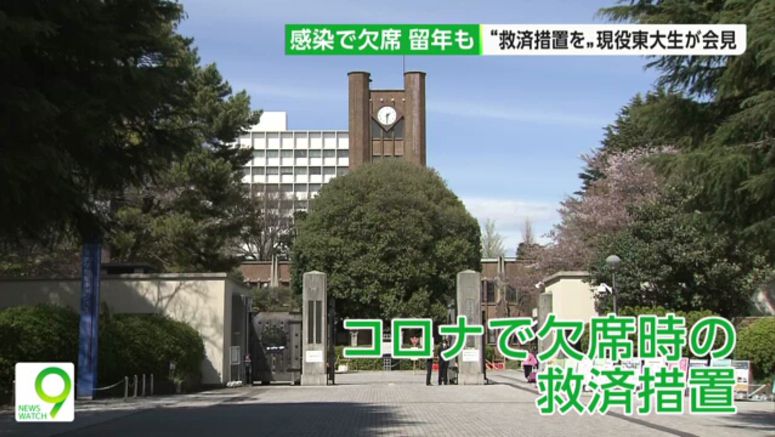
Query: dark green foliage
(672, 259)
(50, 254)
(756, 342)
(94, 97)
(365, 364)
(191, 216)
(691, 317)
(391, 237)
(110, 127)
(720, 113)
(148, 343)
(129, 344)
(35, 333)
(275, 299)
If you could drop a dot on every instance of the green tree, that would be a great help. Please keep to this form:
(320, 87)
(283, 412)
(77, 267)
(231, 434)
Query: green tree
(50, 254)
(35, 333)
(720, 114)
(690, 317)
(275, 299)
(191, 216)
(673, 259)
(391, 237)
(95, 97)
(130, 344)
(756, 342)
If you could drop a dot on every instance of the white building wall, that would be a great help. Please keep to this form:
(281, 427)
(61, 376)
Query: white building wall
(295, 163)
(573, 297)
(201, 300)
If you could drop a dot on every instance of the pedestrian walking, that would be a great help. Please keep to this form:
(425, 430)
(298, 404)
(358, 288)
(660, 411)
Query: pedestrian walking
(443, 364)
(428, 370)
(530, 363)
(248, 370)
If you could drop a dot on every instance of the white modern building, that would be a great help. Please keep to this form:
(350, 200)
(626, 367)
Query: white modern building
(290, 166)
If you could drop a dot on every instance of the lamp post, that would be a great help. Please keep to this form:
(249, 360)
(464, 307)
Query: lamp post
(613, 262)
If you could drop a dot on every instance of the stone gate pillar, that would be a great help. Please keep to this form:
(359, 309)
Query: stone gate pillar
(314, 321)
(469, 304)
(544, 309)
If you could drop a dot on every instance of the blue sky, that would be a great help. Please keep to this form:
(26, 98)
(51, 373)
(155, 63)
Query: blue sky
(506, 133)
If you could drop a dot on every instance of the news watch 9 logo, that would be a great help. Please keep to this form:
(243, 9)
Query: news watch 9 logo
(44, 392)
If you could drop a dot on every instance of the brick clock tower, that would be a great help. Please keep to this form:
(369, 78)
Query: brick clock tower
(386, 124)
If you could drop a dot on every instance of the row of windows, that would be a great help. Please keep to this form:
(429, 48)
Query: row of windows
(301, 153)
(287, 189)
(488, 293)
(298, 171)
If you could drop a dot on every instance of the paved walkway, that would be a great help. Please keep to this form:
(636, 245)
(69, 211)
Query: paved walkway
(378, 403)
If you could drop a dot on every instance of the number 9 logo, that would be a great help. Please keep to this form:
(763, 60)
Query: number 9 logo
(59, 399)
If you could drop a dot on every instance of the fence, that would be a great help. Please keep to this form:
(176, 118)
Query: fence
(143, 383)
(134, 385)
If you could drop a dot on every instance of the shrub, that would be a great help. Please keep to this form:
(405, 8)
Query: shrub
(756, 342)
(691, 317)
(35, 333)
(129, 344)
(375, 363)
(148, 343)
(490, 353)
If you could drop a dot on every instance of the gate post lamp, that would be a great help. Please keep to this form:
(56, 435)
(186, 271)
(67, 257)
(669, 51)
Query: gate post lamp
(613, 262)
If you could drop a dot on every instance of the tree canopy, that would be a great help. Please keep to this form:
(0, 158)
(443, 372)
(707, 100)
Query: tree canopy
(95, 96)
(720, 114)
(671, 258)
(113, 129)
(391, 237)
(682, 187)
(190, 217)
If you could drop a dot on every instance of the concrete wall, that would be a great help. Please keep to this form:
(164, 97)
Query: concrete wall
(572, 295)
(203, 301)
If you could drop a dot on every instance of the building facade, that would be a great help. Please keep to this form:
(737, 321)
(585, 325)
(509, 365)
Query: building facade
(289, 167)
(570, 296)
(386, 123)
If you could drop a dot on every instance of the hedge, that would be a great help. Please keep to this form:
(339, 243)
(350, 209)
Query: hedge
(129, 344)
(148, 343)
(691, 317)
(756, 342)
(355, 364)
(39, 333)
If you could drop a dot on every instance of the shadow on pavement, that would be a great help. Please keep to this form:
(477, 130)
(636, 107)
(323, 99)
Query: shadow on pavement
(752, 420)
(330, 418)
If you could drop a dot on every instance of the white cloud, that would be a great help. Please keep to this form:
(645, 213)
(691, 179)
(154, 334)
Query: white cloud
(510, 214)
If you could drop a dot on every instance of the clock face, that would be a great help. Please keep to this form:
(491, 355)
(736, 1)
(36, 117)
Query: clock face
(386, 115)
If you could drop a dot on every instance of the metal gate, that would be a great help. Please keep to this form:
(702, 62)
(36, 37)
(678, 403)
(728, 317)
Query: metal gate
(276, 347)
